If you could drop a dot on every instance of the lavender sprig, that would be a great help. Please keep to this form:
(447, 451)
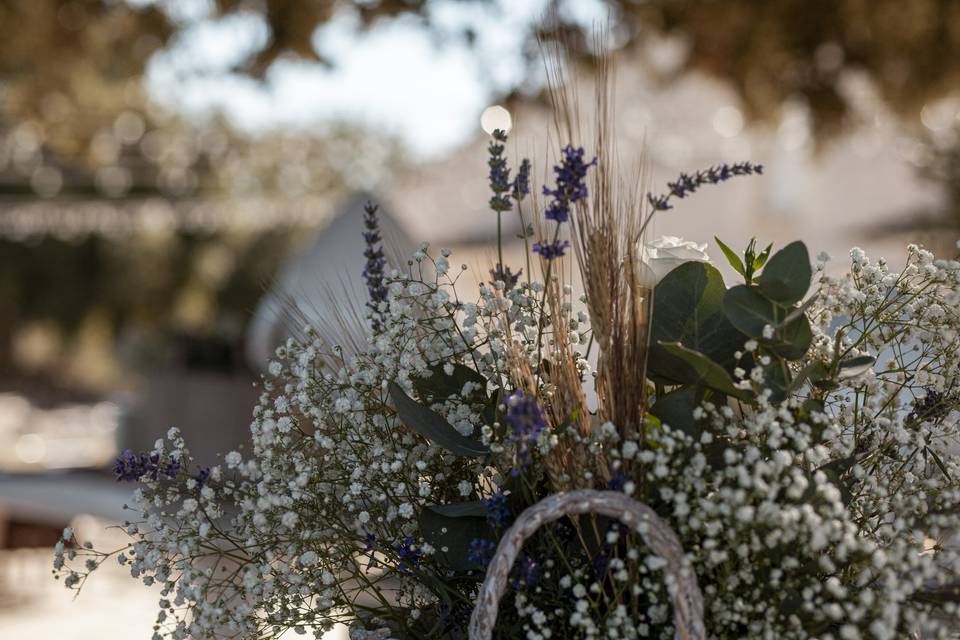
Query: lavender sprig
(932, 407)
(551, 250)
(499, 173)
(506, 276)
(481, 552)
(521, 184)
(527, 574)
(503, 189)
(687, 184)
(373, 271)
(526, 421)
(498, 512)
(409, 554)
(570, 188)
(132, 467)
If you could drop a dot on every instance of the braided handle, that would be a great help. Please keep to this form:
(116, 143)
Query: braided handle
(681, 580)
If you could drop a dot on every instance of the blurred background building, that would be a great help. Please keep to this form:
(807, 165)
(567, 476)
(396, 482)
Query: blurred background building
(173, 170)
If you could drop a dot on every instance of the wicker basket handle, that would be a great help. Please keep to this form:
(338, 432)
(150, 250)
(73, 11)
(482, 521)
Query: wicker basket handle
(682, 582)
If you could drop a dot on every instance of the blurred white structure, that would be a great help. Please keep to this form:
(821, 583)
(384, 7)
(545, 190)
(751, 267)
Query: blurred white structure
(833, 198)
(324, 283)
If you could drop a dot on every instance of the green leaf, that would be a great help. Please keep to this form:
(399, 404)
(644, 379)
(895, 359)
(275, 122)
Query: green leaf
(433, 427)
(806, 413)
(749, 311)
(688, 308)
(761, 259)
(852, 367)
(469, 509)
(686, 296)
(440, 386)
(719, 340)
(676, 409)
(731, 256)
(826, 384)
(715, 451)
(786, 277)
(753, 262)
(813, 372)
(453, 526)
(811, 405)
(775, 379)
(705, 372)
(801, 310)
(492, 405)
(938, 462)
(792, 341)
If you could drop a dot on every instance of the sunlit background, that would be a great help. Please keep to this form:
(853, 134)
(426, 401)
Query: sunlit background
(173, 173)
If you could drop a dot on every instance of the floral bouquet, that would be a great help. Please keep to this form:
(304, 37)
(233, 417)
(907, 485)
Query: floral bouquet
(798, 433)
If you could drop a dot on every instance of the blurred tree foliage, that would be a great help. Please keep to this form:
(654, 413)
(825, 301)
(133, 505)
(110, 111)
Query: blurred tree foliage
(774, 51)
(71, 99)
(57, 56)
(157, 300)
(74, 65)
(88, 307)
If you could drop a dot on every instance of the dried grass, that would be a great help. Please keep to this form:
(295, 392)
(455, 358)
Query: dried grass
(606, 238)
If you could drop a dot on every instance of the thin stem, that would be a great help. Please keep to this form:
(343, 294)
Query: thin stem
(500, 243)
(543, 300)
(526, 241)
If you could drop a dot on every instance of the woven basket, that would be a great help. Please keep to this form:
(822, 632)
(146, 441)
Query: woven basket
(681, 581)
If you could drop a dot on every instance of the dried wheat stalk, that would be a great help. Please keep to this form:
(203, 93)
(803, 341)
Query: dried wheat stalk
(606, 236)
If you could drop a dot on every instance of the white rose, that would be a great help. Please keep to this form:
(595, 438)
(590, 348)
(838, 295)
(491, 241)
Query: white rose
(666, 253)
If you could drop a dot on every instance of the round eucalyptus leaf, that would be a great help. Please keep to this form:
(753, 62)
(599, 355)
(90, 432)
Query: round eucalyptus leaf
(688, 308)
(749, 311)
(676, 410)
(792, 341)
(787, 274)
(855, 366)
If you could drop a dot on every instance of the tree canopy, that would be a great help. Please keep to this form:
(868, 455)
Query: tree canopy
(72, 59)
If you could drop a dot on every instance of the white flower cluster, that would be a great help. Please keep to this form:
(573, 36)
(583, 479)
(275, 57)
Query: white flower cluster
(331, 486)
(831, 514)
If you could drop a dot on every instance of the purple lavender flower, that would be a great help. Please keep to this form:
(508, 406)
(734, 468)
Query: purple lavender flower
(506, 276)
(409, 554)
(132, 467)
(599, 565)
(931, 408)
(526, 421)
(498, 513)
(687, 184)
(527, 574)
(521, 184)
(618, 480)
(202, 478)
(373, 271)
(551, 250)
(370, 543)
(127, 467)
(171, 468)
(481, 552)
(570, 186)
(499, 173)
